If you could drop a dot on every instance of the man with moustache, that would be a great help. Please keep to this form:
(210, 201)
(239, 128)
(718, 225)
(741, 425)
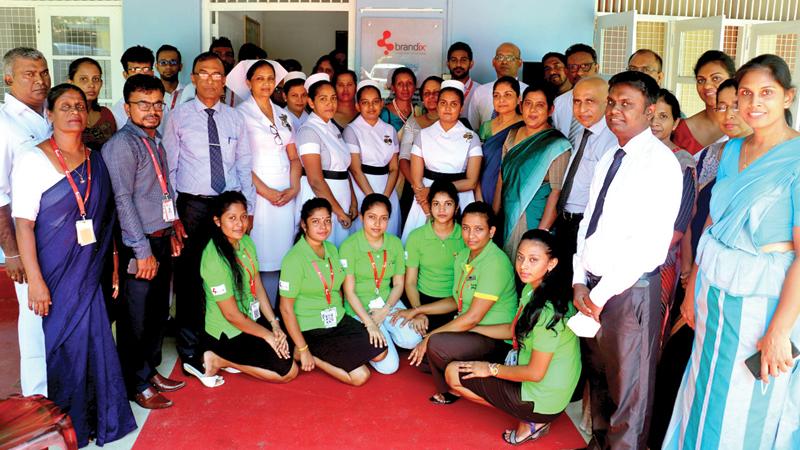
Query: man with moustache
(169, 66)
(135, 60)
(223, 48)
(555, 71)
(151, 234)
(581, 62)
(506, 62)
(23, 123)
(459, 63)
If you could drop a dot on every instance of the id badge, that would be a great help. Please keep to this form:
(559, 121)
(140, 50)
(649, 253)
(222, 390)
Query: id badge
(85, 231)
(376, 303)
(255, 310)
(168, 210)
(511, 358)
(328, 317)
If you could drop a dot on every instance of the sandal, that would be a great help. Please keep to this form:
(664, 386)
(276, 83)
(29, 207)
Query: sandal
(448, 399)
(208, 381)
(510, 436)
(231, 370)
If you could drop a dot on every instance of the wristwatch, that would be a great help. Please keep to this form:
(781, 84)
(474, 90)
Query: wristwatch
(493, 369)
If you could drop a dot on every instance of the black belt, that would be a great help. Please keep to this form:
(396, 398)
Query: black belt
(200, 198)
(592, 279)
(332, 175)
(375, 170)
(569, 217)
(451, 177)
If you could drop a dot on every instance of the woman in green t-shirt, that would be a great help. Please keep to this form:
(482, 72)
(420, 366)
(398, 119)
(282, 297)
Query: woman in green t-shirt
(483, 294)
(241, 330)
(540, 374)
(312, 305)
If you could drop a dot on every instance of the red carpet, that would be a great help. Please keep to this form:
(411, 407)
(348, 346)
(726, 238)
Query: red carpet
(9, 345)
(315, 411)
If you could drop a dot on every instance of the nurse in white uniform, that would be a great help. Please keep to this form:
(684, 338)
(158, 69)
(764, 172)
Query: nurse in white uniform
(296, 98)
(446, 150)
(326, 158)
(276, 166)
(374, 148)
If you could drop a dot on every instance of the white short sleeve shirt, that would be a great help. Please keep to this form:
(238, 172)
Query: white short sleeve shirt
(447, 151)
(323, 138)
(375, 144)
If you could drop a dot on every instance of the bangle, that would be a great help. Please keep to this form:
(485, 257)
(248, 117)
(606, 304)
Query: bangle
(494, 369)
(12, 257)
(303, 348)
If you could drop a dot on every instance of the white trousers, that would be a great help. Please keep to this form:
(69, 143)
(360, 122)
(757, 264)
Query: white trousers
(32, 362)
(395, 335)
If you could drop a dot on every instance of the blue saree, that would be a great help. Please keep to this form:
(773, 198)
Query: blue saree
(492, 159)
(83, 371)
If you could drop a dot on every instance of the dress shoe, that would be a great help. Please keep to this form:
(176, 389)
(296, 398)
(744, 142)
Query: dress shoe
(151, 399)
(163, 384)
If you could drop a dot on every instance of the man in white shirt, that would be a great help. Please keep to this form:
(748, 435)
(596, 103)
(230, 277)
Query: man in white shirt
(649, 62)
(594, 141)
(459, 63)
(169, 66)
(136, 60)
(622, 240)
(23, 122)
(581, 62)
(506, 62)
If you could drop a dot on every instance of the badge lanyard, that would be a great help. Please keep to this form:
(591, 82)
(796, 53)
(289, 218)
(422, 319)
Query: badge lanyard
(81, 200)
(159, 174)
(463, 282)
(174, 98)
(250, 274)
(322, 279)
(378, 280)
(469, 88)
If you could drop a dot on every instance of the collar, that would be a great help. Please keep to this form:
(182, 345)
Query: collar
(302, 114)
(13, 105)
(599, 127)
(430, 234)
(137, 131)
(201, 107)
(485, 253)
(455, 131)
(640, 141)
(309, 252)
(363, 244)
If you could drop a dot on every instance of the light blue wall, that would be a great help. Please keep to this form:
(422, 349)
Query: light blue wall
(155, 22)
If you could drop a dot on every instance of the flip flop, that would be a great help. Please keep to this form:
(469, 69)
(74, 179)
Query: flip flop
(208, 381)
(510, 436)
(448, 399)
(231, 370)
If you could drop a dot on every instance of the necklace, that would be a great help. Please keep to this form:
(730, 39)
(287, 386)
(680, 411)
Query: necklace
(80, 175)
(403, 117)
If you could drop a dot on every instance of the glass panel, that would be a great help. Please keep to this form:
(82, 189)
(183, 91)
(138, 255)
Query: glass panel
(61, 69)
(17, 29)
(783, 45)
(693, 44)
(614, 58)
(689, 100)
(651, 35)
(730, 40)
(81, 36)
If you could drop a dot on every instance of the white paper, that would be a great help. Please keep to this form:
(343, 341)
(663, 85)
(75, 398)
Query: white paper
(583, 325)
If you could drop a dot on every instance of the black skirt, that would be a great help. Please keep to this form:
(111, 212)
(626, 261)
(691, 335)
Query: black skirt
(345, 346)
(507, 396)
(248, 350)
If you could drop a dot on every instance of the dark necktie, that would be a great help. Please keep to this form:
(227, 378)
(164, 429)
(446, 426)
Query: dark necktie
(601, 197)
(215, 155)
(567, 188)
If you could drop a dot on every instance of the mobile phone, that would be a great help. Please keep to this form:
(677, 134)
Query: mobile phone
(754, 362)
(133, 267)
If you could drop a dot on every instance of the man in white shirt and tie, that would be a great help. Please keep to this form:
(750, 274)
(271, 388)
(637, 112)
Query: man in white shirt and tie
(506, 62)
(622, 240)
(581, 62)
(23, 123)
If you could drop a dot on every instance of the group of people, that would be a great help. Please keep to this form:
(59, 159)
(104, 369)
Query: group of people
(528, 244)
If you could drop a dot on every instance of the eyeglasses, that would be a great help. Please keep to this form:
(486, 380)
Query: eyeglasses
(140, 70)
(582, 67)
(725, 108)
(216, 76)
(643, 69)
(168, 62)
(275, 135)
(78, 107)
(505, 58)
(147, 106)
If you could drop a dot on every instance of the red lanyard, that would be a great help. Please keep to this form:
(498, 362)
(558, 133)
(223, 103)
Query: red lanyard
(159, 174)
(81, 201)
(463, 282)
(466, 93)
(174, 98)
(378, 280)
(250, 274)
(514, 327)
(322, 279)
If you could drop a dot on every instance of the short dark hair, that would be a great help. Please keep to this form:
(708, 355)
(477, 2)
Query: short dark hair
(248, 50)
(292, 65)
(480, 208)
(728, 84)
(581, 48)
(141, 83)
(373, 199)
(543, 87)
(777, 68)
(642, 82)
(220, 42)
(447, 188)
(205, 56)
(403, 70)
(718, 57)
(74, 65)
(321, 60)
(463, 46)
(561, 57)
(670, 99)
(169, 48)
(644, 51)
(61, 89)
(137, 53)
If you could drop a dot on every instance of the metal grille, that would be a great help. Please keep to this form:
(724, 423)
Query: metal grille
(75, 37)
(770, 10)
(651, 35)
(730, 40)
(783, 45)
(693, 44)
(17, 29)
(614, 55)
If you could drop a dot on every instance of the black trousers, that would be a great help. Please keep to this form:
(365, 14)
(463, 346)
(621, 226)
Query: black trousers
(195, 215)
(565, 229)
(144, 308)
(444, 348)
(622, 366)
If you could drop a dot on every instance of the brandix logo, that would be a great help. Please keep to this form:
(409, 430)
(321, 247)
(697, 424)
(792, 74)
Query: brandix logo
(417, 47)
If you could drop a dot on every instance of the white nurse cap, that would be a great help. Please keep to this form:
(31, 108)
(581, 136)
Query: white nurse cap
(317, 77)
(294, 75)
(454, 84)
(364, 83)
(237, 79)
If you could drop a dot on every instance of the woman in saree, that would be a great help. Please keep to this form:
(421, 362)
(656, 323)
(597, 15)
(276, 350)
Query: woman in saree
(64, 211)
(535, 158)
(743, 297)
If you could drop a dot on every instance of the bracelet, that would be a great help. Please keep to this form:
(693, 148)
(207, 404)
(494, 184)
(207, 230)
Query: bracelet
(302, 349)
(12, 257)
(494, 369)
(274, 319)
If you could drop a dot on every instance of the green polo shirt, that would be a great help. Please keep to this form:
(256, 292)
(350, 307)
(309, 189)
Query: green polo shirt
(434, 259)
(552, 394)
(218, 285)
(489, 276)
(300, 281)
(355, 251)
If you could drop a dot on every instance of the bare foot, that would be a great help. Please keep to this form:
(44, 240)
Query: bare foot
(210, 363)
